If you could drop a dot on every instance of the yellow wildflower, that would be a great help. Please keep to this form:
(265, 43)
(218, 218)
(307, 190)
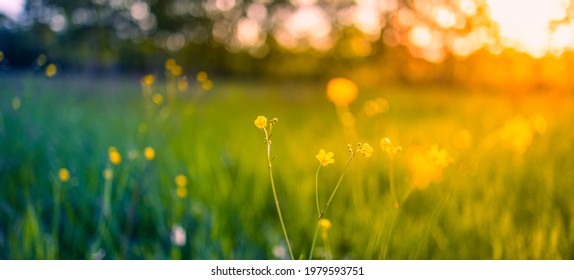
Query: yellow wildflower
(181, 181)
(325, 158)
(427, 166)
(64, 175)
(176, 70)
(182, 84)
(439, 157)
(325, 227)
(114, 155)
(516, 134)
(170, 63)
(365, 149)
(148, 80)
(181, 192)
(342, 91)
(51, 70)
(201, 76)
(388, 147)
(207, 85)
(261, 122)
(1, 56)
(149, 153)
(325, 224)
(157, 99)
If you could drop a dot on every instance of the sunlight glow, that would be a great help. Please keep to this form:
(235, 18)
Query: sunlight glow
(12, 8)
(525, 25)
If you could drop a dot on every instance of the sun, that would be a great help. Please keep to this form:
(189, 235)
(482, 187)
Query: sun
(12, 8)
(526, 25)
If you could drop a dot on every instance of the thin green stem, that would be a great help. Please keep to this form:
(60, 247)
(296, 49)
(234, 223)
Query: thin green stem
(317, 189)
(336, 187)
(322, 213)
(392, 182)
(314, 239)
(275, 194)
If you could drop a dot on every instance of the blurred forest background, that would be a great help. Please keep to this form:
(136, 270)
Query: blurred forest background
(446, 41)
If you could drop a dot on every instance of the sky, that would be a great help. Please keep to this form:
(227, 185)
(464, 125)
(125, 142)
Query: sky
(11, 8)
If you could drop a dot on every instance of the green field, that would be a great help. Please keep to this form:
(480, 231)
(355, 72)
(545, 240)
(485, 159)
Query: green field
(507, 194)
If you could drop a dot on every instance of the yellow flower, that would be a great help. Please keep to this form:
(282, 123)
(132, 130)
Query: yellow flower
(325, 158)
(157, 99)
(365, 149)
(207, 85)
(342, 91)
(325, 224)
(388, 147)
(64, 175)
(516, 134)
(170, 63)
(439, 157)
(201, 76)
(1, 56)
(427, 166)
(182, 84)
(51, 70)
(148, 80)
(261, 122)
(181, 181)
(173, 68)
(325, 227)
(181, 192)
(176, 70)
(114, 155)
(149, 153)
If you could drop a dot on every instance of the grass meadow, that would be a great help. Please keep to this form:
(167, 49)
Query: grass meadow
(157, 168)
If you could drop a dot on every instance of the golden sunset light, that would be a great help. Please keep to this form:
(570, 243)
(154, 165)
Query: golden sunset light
(533, 26)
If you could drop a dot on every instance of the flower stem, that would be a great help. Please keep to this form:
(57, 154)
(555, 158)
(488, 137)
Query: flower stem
(336, 188)
(322, 214)
(314, 238)
(392, 182)
(275, 194)
(317, 189)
